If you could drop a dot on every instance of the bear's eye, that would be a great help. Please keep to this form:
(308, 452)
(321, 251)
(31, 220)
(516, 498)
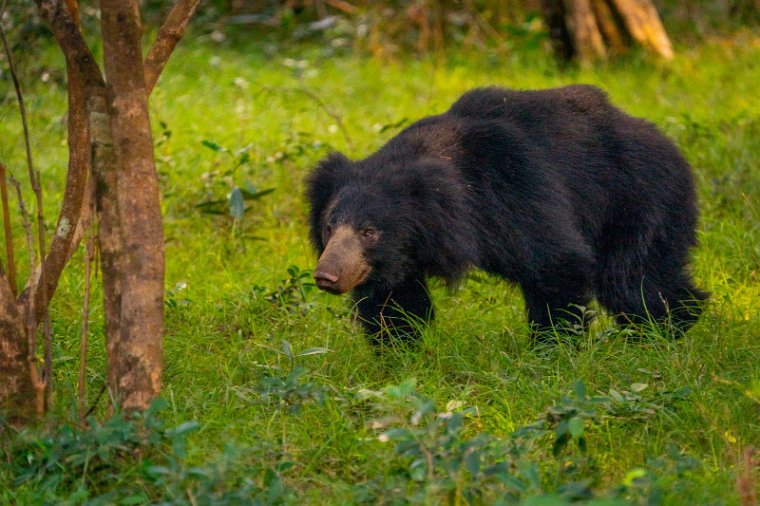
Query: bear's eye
(369, 233)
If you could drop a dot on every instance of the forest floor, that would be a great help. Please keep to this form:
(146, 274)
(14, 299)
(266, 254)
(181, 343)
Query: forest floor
(275, 393)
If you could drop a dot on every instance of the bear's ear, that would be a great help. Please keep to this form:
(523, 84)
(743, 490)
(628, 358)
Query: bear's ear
(321, 185)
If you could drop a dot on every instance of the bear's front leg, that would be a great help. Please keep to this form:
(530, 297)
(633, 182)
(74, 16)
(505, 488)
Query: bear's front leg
(396, 313)
(557, 307)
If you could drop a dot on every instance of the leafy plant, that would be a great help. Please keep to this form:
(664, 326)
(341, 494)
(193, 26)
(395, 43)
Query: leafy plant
(234, 204)
(137, 460)
(293, 292)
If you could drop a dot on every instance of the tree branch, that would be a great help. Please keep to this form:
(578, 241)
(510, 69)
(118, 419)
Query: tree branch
(9, 253)
(84, 79)
(66, 32)
(27, 229)
(169, 35)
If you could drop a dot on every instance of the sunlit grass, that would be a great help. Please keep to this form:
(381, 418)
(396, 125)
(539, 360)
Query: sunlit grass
(223, 334)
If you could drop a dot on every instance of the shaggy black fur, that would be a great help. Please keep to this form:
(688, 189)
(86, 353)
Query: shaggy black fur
(557, 190)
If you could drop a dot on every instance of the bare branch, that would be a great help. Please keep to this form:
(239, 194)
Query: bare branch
(87, 224)
(9, 253)
(329, 111)
(169, 35)
(27, 228)
(24, 124)
(66, 32)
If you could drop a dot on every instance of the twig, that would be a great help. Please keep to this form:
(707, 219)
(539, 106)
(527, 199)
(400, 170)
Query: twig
(334, 115)
(97, 400)
(27, 223)
(169, 35)
(9, 254)
(43, 298)
(87, 223)
(22, 111)
(342, 5)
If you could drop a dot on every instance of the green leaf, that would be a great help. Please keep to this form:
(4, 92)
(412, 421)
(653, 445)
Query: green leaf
(249, 187)
(287, 350)
(633, 475)
(395, 124)
(134, 499)
(312, 351)
(562, 428)
(580, 390)
(285, 465)
(213, 146)
(211, 203)
(255, 195)
(237, 204)
(472, 462)
(185, 428)
(575, 426)
(639, 387)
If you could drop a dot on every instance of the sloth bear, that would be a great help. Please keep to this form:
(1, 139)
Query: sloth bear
(556, 190)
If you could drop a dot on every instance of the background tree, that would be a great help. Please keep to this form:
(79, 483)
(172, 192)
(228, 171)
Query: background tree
(592, 29)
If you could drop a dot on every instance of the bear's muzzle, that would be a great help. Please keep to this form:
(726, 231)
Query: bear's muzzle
(342, 266)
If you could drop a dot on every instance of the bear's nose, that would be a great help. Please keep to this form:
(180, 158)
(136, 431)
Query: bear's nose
(325, 280)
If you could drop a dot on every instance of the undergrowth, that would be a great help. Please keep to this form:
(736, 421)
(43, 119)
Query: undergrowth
(270, 392)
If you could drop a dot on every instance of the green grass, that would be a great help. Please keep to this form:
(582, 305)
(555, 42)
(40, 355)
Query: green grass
(223, 334)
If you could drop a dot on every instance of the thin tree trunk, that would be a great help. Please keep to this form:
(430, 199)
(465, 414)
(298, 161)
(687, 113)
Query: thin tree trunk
(135, 352)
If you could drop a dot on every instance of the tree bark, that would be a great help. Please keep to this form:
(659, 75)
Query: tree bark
(135, 351)
(584, 30)
(589, 30)
(22, 391)
(644, 25)
(168, 37)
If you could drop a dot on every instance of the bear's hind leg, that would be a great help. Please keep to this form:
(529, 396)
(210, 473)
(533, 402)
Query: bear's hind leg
(397, 313)
(675, 303)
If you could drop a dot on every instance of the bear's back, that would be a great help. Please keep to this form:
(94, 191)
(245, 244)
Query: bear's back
(495, 103)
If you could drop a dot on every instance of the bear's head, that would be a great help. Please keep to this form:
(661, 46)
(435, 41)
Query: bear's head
(379, 221)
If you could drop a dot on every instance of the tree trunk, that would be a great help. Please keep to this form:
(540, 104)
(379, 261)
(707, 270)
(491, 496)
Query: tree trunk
(22, 391)
(589, 30)
(136, 266)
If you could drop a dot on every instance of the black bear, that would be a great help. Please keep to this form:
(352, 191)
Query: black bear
(556, 190)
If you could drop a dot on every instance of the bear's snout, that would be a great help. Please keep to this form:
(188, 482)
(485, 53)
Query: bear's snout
(326, 281)
(342, 266)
